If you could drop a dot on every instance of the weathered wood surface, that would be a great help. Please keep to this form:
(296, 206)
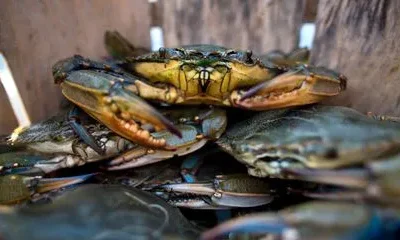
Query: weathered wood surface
(257, 25)
(7, 118)
(310, 11)
(35, 34)
(361, 40)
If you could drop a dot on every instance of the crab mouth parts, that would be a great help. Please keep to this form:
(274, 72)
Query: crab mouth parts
(203, 79)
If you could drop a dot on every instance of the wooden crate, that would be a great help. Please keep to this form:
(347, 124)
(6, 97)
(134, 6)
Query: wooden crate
(355, 37)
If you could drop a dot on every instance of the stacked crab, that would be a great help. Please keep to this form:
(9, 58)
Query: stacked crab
(245, 132)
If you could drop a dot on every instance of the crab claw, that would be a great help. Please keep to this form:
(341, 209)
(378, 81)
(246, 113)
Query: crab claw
(345, 177)
(111, 98)
(379, 180)
(48, 184)
(226, 191)
(300, 86)
(313, 220)
(197, 127)
(17, 188)
(140, 156)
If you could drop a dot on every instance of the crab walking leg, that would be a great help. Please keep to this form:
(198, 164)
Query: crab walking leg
(312, 220)
(378, 180)
(383, 117)
(300, 86)
(17, 188)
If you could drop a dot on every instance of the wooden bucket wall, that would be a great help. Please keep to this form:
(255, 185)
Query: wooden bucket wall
(359, 38)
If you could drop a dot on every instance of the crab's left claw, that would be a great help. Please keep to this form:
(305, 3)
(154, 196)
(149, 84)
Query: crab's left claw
(226, 191)
(111, 98)
(312, 220)
(302, 85)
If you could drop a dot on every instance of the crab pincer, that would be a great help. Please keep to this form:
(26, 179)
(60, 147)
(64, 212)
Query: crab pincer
(301, 85)
(109, 96)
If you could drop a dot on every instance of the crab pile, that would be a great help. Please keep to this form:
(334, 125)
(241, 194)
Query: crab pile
(202, 142)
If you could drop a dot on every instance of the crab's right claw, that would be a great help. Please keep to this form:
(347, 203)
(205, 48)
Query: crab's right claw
(300, 86)
(111, 99)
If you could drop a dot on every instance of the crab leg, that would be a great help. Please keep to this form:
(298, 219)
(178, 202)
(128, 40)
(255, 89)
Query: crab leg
(48, 184)
(378, 180)
(225, 192)
(313, 220)
(17, 188)
(303, 85)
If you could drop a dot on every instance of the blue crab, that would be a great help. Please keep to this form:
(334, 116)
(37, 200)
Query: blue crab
(97, 212)
(121, 94)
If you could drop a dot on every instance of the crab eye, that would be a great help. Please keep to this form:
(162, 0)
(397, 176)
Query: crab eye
(231, 52)
(187, 67)
(162, 52)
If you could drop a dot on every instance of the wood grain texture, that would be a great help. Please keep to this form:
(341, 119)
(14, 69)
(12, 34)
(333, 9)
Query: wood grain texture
(257, 25)
(310, 11)
(7, 119)
(35, 34)
(361, 39)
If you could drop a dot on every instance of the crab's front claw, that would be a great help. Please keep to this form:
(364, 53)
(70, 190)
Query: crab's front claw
(226, 191)
(196, 125)
(111, 99)
(139, 156)
(302, 85)
(313, 220)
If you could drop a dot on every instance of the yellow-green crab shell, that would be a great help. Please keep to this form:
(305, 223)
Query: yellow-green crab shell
(200, 74)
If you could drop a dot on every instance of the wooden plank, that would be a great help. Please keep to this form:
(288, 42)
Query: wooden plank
(310, 11)
(361, 40)
(257, 25)
(7, 119)
(35, 34)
